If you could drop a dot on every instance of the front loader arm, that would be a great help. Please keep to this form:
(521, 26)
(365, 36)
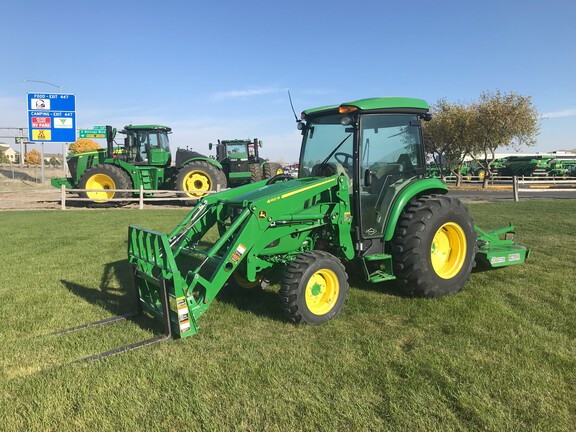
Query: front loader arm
(264, 225)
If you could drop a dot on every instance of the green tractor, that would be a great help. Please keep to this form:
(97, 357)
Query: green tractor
(361, 202)
(143, 161)
(241, 162)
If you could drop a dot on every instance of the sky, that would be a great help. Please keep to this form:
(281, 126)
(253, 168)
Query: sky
(222, 69)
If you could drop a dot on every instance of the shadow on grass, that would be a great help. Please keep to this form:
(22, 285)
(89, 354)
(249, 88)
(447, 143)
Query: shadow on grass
(260, 302)
(117, 301)
(17, 175)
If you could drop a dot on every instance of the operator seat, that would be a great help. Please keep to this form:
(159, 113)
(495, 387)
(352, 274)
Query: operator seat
(329, 169)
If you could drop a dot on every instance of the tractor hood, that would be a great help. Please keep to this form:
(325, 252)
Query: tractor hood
(281, 192)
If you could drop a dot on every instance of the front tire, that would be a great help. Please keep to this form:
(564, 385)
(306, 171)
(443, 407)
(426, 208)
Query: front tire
(433, 247)
(105, 178)
(256, 173)
(272, 169)
(314, 288)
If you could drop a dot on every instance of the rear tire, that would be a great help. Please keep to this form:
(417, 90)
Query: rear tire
(433, 247)
(104, 177)
(200, 177)
(314, 288)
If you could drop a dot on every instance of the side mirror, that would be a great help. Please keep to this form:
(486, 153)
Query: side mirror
(367, 178)
(210, 146)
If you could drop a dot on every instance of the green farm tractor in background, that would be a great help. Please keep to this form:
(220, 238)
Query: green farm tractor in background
(143, 161)
(242, 163)
(361, 202)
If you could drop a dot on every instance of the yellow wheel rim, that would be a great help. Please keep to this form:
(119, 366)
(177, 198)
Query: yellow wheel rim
(448, 251)
(245, 283)
(100, 181)
(481, 175)
(322, 292)
(279, 171)
(197, 181)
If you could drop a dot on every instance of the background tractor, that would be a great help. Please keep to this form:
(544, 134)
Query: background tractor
(361, 201)
(241, 162)
(144, 160)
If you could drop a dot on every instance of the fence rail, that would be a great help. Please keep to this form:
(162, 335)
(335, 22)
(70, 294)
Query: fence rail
(541, 185)
(143, 195)
(54, 198)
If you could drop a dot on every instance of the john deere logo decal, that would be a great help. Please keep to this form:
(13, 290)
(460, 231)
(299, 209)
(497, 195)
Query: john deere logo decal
(262, 214)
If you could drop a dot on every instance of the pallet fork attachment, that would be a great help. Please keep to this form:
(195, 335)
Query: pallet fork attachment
(136, 345)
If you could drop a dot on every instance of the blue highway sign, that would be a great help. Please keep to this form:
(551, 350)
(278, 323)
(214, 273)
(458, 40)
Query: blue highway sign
(52, 117)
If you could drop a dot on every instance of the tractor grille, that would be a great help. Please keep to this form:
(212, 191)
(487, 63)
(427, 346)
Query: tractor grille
(239, 166)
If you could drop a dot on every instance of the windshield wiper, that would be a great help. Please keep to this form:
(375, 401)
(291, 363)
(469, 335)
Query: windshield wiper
(334, 151)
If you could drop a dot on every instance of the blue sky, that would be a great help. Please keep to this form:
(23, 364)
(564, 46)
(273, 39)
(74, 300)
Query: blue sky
(222, 69)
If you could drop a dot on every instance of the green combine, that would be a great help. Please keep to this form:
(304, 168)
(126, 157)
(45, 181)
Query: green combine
(361, 200)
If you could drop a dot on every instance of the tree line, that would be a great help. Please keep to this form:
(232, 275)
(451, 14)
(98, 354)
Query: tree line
(477, 129)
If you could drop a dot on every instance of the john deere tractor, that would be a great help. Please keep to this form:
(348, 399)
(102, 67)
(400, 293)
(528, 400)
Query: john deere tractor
(143, 161)
(361, 201)
(241, 162)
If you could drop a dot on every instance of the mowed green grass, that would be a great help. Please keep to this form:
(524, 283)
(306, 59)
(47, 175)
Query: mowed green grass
(499, 355)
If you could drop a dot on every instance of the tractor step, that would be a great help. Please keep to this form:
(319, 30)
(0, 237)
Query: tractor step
(378, 267)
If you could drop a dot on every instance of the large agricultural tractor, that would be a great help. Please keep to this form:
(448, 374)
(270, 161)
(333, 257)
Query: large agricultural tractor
(242, 163)
(143, 161)
(361, 201)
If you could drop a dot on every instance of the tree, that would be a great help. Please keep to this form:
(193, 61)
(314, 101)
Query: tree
(82, 145)
(449, 136)
(33, 157)
(479, 129)
(504, 120)
(3, 157)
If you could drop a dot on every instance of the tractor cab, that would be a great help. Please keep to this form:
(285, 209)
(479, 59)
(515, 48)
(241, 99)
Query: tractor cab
(376, 143)
(238, 150)
(146, 145)
(240, 160)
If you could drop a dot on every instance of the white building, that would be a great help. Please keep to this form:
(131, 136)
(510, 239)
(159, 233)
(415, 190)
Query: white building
(9, 152)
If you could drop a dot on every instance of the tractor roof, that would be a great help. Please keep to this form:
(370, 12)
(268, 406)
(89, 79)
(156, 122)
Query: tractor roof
(147, 127)
(374, 104)
(232, 141)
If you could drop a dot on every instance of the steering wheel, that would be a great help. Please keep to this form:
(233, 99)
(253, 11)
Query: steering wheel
(278, 178)
(343, 158)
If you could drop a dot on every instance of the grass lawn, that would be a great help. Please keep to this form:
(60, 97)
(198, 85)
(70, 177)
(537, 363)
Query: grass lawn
(499, 355)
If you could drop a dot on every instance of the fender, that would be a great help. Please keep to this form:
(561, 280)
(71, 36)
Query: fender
(184, 156)
(205, 159)
(420, 187)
